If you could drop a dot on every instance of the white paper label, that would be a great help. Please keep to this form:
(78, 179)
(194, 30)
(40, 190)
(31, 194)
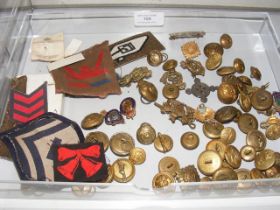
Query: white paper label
(147, 18)
(65, 61)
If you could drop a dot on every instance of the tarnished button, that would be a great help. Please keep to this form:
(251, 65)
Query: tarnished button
(208, 162)
(257, 174)
(224, 174)
(213, 48)
(213, 61)
(99, 137)
(256, 139)
(272, 171)
(247, 122)
(170, 65)
(248, 153)
(245, 80)
(227, 93)
(110, 176)
(265, 159)
(212, 129)
(121, 144)
(273, 132)
(262, 100)
(187, 174)
(162, 179)
(190, 140)
(146, 134)
(128, 107)
(93, 120)
(170, 91)
(255, 73)
(217, 146)
(232, 156)
(226, 41)
(225, 70)
(239, 65)
(155, 58)
(245, 102)
(124, 170)
(148, 91)
(169, 165)
(228, 135)
(137, 155)
(226, 114)
(163, 143)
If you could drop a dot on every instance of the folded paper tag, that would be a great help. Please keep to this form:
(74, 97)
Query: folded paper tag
(65, 61)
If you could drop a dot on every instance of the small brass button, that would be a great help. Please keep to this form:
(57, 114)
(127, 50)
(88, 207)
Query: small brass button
(248, 153)
(218, 147)
(228, 135)
(265, 159)
(255, 73)
(148, 91)
(247, 122)
(245, 102)
(243, 174)
(93, 120)
(272, 171)
(212, 129)
(239, 65)
(146, 134)
(256, 139)
(226, 41)
(226, 165)
(226, 114)
(137, 155)
(100, 137)
(227, 93)
(155, 57)
(162, 179)
(169, 165)
(208, 162)
(225, 70)
(224, 174)
(121, 144)
(170, 65)
(257, 174)
(213, 48)
(190, 140)
(163, 143)
(124, 170)
(245, 80)
(262, 100)
(170, 91)
(213, 61)
(273, 132)
(232, 156)
(187, 174)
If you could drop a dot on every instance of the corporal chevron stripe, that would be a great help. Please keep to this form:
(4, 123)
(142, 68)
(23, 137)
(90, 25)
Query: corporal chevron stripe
(26, 107)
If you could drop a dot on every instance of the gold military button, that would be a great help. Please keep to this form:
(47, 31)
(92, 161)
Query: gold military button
(163, 143)
(225, 70)
(272, 171)
(255, 73)
(245, 80)
(226, 114)
(208, 162)
(245, 102)
(146, 134)
(169, 165)
(226, 165)
(155, 57)
(265, 159)
(99, 137)
(256, 139)
(124, 170)
(213, 61)
(170, 65)
(212, 129)
(213, 48)
(170, 91)
(243, 174)
(239, 65)
(93, 120)
(162, 179)
(121, 144)
(224, 174)
(217, 146)
(273, 132)
(227, 93)
(148, 91)
(226, 41)
(248, 153)
(190, 140)
(232, 156)
(262, 100)
(257, 174)
(228, 135)
(247, 122)
(137, 155)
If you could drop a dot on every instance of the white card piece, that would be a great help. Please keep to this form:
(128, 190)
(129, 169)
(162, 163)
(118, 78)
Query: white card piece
(148, 18)
(73, 47)
(55, 100)
(65, 61)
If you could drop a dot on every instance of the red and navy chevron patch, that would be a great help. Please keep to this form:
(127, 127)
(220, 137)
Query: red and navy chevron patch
(26, 107)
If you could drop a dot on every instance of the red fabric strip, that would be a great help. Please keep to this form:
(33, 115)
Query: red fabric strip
(24, 119)
(28, 110)
(27, 99)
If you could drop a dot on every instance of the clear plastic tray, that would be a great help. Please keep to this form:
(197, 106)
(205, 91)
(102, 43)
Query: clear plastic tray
(254, 40)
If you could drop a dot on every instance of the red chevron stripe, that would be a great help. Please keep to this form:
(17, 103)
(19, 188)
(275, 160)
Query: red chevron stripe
(28, 99)
(23, 119)
(28, 110)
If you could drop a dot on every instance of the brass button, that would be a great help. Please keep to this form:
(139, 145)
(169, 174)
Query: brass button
(190, 140)
(162, 179)
(169, 165)
(224, 174)
(155, 57)
(226, 41)
(227, 93)
(146, 134)
(121, 144)
(226, 114)
(226, 165)
(239, 65)
(228, 135)
(163, 143)
(232, 156)
(277, 158)
(100, 137)
(273, 132)
(248, 153)
(148, 91)
(245, 102)
(272, 171)
(110, 176)
(208, 162)
(212, 129)
(265, 159)
(255, 73)
(170, 65)
(247, 122)
(124, 170)
(93, 120)
(243, 174)
(137, 155)
(213, 48)
(257, 174)
(187, 174)
(217, 146)
(170, 91)
(225, 70)
(256, 139)
(245, 80)
(262, 100)
(213, 61)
